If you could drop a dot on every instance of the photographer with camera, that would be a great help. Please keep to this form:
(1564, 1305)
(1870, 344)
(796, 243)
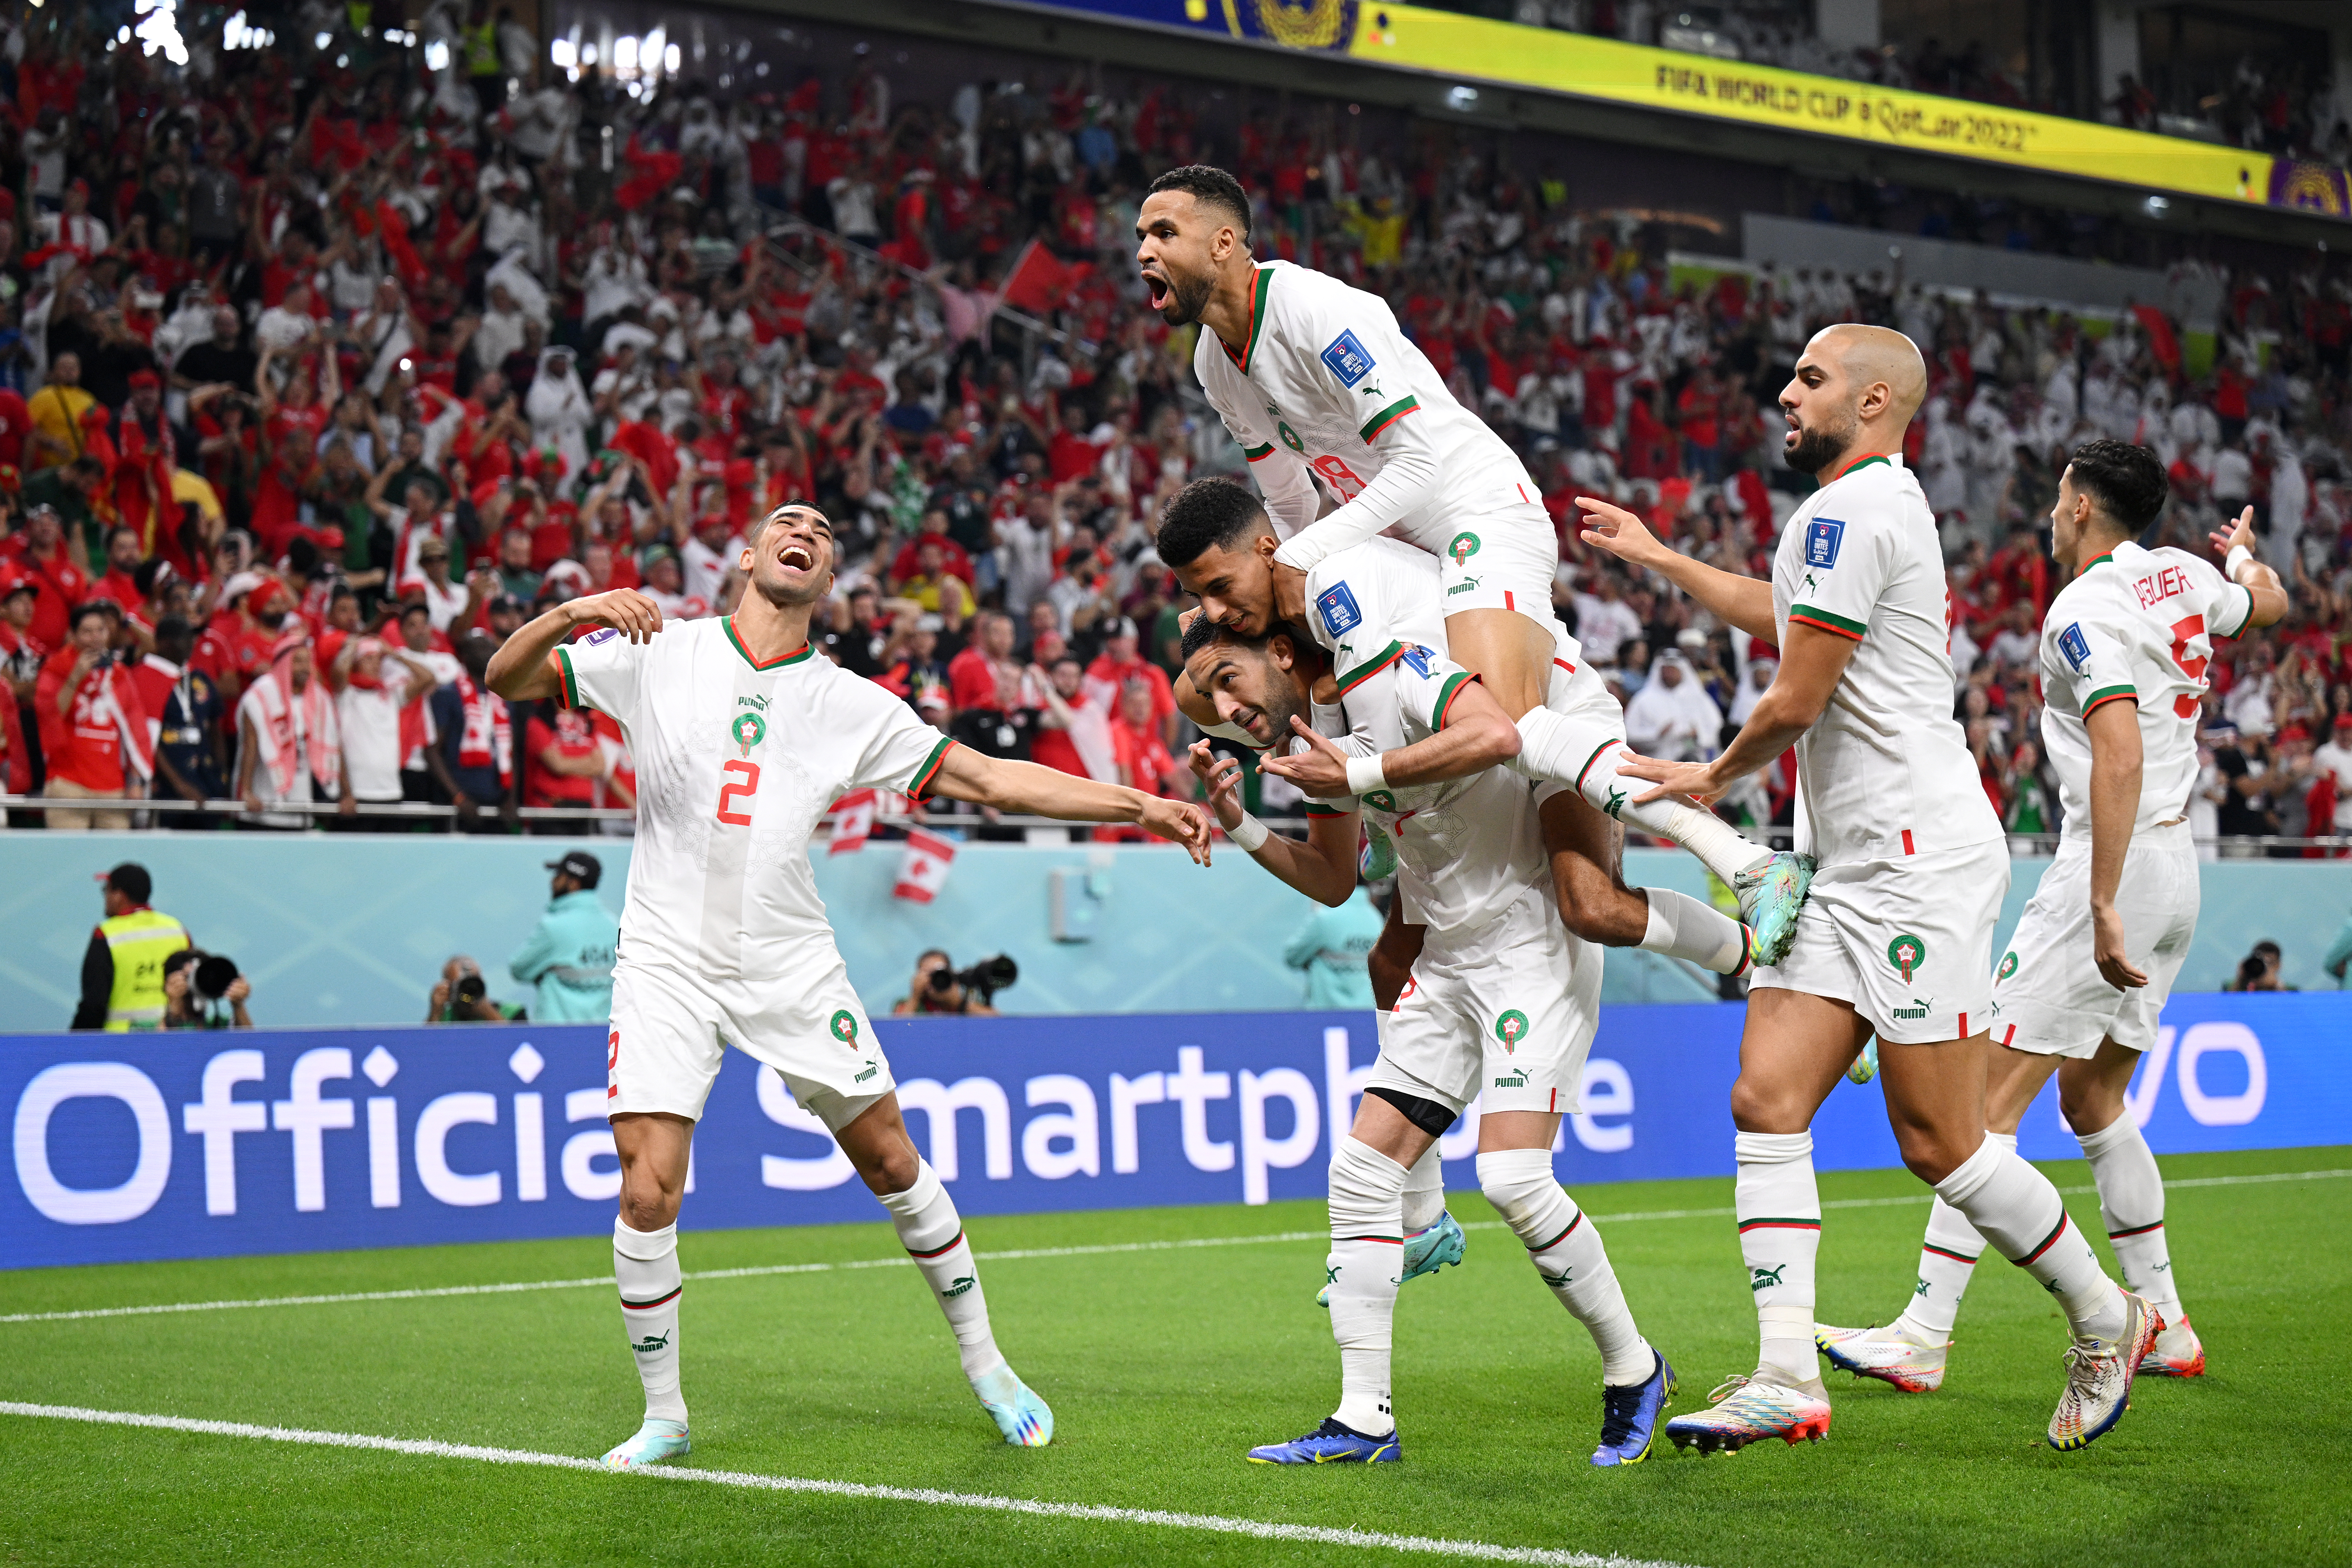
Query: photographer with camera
(939, 988)
(123, 967)
(197, 984)
(463, 998)
(93, 725)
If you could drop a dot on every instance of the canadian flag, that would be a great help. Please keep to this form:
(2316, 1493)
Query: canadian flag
(853, 821)
(925, 872)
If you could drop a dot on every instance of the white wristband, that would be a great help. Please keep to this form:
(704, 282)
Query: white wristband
(2238, 555)
(1364, 775)
(1248, 834)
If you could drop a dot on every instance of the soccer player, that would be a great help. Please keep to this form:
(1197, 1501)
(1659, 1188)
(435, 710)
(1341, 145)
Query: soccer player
(743, 737)
(1321, 387)
(1372, 600)
(1502, 999)
(1896, 937)
(2123, 651)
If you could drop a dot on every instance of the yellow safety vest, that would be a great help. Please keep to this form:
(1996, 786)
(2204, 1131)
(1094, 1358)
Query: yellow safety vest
(139, 942)
(482, 50)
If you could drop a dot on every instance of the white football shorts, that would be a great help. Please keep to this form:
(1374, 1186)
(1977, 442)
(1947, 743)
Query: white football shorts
(669, 1030)
(1908, 942)
(1507, 1010)
(1501, 555)
(2049, 996)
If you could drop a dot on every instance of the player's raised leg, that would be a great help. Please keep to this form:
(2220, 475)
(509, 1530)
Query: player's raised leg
(653, 1150)
(1587, 867)
(931, 1231)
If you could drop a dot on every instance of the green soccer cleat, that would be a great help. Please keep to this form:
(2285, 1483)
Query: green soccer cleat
(1433, 1247)
(1865, 1065)
(1376, 862)
(1771, 894)
(655, 1443)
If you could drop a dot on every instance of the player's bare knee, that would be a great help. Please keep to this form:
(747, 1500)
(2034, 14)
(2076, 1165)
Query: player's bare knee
(648, 1208)
(1763, 1107)
(1931, 1154)
(2088, 1105)
(889, 1167)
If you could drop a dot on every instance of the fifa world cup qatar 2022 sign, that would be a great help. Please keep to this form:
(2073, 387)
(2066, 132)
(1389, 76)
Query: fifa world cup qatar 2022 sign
(148, 1146)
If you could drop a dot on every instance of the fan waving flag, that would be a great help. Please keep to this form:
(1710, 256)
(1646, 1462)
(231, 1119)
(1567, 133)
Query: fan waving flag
(1039, 281)
(853, 822)
(925, 872)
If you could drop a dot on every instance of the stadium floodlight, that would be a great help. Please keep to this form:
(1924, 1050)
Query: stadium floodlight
(1461, 99)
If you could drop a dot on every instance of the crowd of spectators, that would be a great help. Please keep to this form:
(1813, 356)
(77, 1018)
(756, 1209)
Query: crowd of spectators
(332, 370)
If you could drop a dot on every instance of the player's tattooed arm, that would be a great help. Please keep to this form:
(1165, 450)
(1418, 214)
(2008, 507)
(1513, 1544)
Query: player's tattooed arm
(1812, 664)
(525, 667)
(1323, 867)
(1028, 789)
(1476, 736)
(1744, 601)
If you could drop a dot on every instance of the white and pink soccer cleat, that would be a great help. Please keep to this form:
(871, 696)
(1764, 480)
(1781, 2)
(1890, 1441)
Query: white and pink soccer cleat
(1745, 1409)
(2099, 1377)
(1885, 1355)
(2176, 1353)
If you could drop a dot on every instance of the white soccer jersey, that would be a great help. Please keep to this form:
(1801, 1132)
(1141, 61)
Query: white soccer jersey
(737, 763)
(1329, 390)
(1887, 772)
(1365, 603)
(2137, 624)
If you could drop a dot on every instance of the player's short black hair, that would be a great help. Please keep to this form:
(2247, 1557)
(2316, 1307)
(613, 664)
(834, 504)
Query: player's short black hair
(1204, 632)
(2125, 482)
(1212, 511)
(1207, 183)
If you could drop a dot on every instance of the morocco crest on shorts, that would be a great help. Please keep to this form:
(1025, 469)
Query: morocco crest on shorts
(1906, 953)
(1511, 1028)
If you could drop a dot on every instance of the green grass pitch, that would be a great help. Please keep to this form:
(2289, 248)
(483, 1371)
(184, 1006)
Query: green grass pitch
(1162, 1365)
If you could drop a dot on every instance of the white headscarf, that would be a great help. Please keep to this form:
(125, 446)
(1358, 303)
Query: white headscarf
(559, 409)
(1680, 724)
(1743, 701)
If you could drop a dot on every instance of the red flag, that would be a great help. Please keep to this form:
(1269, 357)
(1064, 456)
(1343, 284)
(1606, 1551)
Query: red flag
(2160, 340)
(925, 872)
(853, 822)
(1038, 280)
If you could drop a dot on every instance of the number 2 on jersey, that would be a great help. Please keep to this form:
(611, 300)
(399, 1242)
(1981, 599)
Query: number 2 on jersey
(747, 783)
(2184, 631)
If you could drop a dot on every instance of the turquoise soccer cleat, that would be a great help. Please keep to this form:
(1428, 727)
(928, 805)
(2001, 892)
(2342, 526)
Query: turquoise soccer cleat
(1865, 1065)
(1427, 1250)
(1770, 895)
(1330, 1444)
(1377, 860)
(655, 1443)
(1629, 1416)
(1026, 1420)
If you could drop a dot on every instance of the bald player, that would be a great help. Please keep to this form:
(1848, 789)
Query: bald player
(1897, 936)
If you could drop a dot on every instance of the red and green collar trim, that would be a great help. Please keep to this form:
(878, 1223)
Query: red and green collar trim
(1261, 285)
(2096, 560)
(1861, 463)
(798, 655)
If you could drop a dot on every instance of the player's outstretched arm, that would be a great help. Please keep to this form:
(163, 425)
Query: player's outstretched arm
(1405, 483)
(1031, 789)
(1744, 601)
(1811, 664)
(1476, 736)
(1323, 867)
(525, 669)
(2261, 581)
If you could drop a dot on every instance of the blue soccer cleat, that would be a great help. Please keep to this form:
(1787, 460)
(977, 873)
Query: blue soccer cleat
(1024, 1419)
(1330, 1444)
(1771, 894)
(1436, 1245)
(1865, 1065)
(1630, 1414)
(655, 1443)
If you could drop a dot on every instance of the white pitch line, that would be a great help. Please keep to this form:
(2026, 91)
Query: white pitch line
(758, 1271)
(1261, 1530)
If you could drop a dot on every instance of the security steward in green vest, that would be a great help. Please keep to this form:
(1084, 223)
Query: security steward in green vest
(123, 969)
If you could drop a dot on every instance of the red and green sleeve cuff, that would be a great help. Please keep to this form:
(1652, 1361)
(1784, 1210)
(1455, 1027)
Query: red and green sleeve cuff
(921, 788)
(1370, 666)
(1447, 693)
(1388, 416)
(1317, 808)
(1825, 620)
(571, 679)
(1254, 453)
(2106, 694)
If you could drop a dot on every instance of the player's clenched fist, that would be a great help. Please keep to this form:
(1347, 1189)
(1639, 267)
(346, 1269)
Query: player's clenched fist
(1178, 822)
(623, 609)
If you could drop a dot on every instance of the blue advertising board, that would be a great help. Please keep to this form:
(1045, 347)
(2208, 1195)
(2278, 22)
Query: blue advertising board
(190, 1145)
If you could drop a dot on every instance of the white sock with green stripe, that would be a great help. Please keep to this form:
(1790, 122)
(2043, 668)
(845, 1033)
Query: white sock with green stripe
(1583, 755)
(1947, 1260)
(2015, 1208)
(1682, 927)
(645, 1266)
(1778, 1210)
(933, 1233)
(2131, 1201)
(1366, 1263)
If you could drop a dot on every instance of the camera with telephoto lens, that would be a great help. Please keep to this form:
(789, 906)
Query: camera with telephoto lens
(471, 989)
(213, 974)
(983, 979)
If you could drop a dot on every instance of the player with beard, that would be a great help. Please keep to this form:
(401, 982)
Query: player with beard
(743, 737)
(1897, 936)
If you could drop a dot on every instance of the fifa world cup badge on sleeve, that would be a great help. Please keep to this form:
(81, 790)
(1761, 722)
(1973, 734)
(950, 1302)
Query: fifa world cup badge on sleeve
(1823, 537)
(2076, 646)
(1338, 608)
(602, 634)
(1347, 359)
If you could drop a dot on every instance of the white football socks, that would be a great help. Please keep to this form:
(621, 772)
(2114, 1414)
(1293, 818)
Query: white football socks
(2015, 1208)
(1424, 1191)
(933, 1233)
(1778, 1210)
(1584, 756)
(1565, 1248)
(645, 1266)
(1947, 1260)
(1365, 1266)
(2131, 1201)
(1683, 927)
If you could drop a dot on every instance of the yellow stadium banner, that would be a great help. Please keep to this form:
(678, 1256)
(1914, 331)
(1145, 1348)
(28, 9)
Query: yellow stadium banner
(1477, 50)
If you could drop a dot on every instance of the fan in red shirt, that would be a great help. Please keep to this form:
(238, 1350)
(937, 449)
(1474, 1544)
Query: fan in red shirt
(289, 439)
(1119, 666)
(1145, 762)
(93, 726)
(567, 759)
(39, 552)
(235, 648)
